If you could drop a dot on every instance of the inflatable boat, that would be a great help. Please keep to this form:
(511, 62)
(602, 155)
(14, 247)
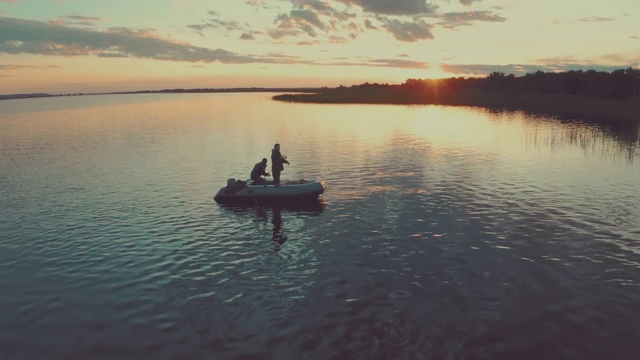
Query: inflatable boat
(238, 191)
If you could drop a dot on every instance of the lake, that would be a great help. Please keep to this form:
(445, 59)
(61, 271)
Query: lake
(444, 233)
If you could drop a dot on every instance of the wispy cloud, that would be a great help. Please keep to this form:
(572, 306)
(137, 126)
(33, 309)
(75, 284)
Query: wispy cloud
(313, 17)
(18, 36)
(612, 60)
(595, 19)
(258, 3)
(468, 2)
(399, 63)
(76, 20)
(324, 20)
(520, 69)
(216, 21)
(452, 20)
(631, 59)
(396, 7)
(482, 69)
(12, 67)
(308, 42)
(403, 19)
(390, 63)
(304, 20)
(409, 31)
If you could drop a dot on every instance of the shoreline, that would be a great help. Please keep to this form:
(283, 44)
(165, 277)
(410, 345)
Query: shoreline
(579, 107)
(166, 91)
(570, 106)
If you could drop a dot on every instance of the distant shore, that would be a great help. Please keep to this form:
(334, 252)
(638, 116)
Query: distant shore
(167, 91)
(24, 96)
(571, 106)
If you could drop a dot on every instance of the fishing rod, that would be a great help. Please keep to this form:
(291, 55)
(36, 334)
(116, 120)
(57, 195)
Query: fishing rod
(293, 142)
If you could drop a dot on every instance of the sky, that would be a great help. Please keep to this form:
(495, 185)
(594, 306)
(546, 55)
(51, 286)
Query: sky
(89, 46)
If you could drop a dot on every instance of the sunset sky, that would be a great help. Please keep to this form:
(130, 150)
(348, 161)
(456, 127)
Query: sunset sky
(73, 46)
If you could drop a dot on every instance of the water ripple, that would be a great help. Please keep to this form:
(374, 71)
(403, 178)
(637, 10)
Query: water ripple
(445, 233)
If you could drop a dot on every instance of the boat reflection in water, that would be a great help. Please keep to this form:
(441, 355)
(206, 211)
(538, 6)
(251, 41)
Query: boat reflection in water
(297, 209)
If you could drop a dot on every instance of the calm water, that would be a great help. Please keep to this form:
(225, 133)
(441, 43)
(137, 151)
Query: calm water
(445, 233)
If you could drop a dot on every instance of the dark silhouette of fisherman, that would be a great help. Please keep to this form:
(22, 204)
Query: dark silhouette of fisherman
(277, 163)
(259, 170)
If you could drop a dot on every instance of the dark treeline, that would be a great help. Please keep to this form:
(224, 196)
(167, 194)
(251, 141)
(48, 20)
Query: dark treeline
(591, 94)
(24, 96)
(620, 84)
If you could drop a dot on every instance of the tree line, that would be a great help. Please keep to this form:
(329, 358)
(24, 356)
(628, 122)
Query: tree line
(620, 84)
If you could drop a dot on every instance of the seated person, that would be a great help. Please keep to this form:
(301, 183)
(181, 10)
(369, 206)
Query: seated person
(259, 171)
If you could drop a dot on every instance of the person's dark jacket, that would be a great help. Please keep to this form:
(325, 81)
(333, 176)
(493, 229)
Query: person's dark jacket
(259, 170)
(277, 161)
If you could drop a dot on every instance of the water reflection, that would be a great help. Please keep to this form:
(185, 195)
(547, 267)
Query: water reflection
(311, 207)
(498, 230)
(273, 213)
(278, 235)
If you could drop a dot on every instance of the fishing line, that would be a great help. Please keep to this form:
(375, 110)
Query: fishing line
(294, 141)
(335, 181)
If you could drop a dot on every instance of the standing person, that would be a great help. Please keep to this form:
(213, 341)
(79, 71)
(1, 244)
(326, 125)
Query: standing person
(259, 170)
(277, 163)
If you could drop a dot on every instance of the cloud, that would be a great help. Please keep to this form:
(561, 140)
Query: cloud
(75, 20)
(337, 40)
(631, 59)
(12, 67)
(481, 69)
(369, 25)
(390, 63)
(409, 31)
(395, 7)
(403, 19)
(82, 20)
(312, 17)
(315, 5)
(305, 21)
(595, 19)
(398, 63)
(19, 36)
(261, 3)
(521, 69)
(216, 22)
(614, 60)
(453, 19)
(468, 2)
(246, 36)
